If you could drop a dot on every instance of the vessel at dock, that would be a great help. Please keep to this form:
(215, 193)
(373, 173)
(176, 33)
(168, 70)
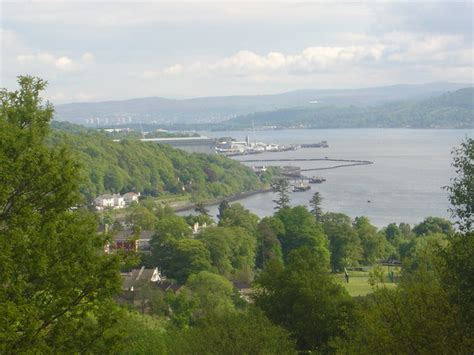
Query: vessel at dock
(301, 187)
(316, 180)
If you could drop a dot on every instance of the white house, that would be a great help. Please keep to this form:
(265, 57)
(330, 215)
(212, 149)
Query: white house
(130, 197)
(104, 201)
(119, 201)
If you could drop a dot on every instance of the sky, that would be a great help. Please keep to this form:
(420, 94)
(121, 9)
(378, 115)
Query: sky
(110, 50)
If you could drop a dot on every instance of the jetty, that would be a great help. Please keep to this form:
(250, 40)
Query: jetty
(347, 163)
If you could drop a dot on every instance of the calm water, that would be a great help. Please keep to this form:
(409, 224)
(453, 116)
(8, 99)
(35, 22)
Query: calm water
(404, 184)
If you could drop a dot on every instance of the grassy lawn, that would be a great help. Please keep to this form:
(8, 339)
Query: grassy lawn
(359, 282)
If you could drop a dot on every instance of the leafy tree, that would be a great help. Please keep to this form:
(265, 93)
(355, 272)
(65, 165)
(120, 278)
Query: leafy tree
(344, 243)
(201, 209)
(301, 230)
(222, 207)
(200, 218)
(140, 216)
(236, 215)
(373, 244)
(232, 250)
(56, 280)
(315, 204)
(268, 244)
(232, 333)
(282, 188)
(433, 225)
(212, 294)
(415, 318)
(179, 258)
(172, 227)
(305, 299)
(461, 190)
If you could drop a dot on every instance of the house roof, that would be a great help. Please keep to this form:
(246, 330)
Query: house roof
(137, 276)
(127, 234)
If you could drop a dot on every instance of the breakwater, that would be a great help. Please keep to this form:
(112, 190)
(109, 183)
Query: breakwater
(348, 162)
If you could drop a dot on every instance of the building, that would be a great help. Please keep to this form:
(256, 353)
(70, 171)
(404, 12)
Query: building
(127, 240)
(190, 144)
(115, 201)
(104, 201)
(130, 197)
(138, 277)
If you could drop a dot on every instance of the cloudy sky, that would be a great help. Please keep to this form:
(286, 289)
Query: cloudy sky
(90, 51)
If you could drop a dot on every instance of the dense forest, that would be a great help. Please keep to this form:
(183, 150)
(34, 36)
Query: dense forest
(61, 291)
(152, 169)
(450, 110)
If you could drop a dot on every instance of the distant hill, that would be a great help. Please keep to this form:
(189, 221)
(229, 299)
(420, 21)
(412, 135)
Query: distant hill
(216, 109)
(449, 110)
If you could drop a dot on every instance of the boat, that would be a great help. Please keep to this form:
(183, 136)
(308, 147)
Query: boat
(301, 187)
(317, 180)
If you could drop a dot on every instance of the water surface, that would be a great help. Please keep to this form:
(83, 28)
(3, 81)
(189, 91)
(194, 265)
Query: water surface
(405, 183)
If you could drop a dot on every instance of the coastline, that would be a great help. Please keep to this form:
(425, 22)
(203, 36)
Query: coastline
(188, 205)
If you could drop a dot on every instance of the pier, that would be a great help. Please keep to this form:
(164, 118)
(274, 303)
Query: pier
(350, 162)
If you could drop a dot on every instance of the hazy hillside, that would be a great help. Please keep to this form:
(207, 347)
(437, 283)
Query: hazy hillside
(450, 110)
(216, 109)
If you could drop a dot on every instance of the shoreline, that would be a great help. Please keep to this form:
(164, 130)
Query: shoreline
(235, 197)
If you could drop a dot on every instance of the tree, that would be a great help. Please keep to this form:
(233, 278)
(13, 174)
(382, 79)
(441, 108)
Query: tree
(417, 317)
(301, 230)
(373, 244)
(305, 299)
(281, 187)
(201, 209)
(344, 243)
(179, 258)
(462, 187)
(56, 280)
(140, 216)
(222, 207)
(268, 245)
(433, 225)
(171, 227)
(236, 215)
(249, 332)
(315, 204)
(232, 250)
(212, 294)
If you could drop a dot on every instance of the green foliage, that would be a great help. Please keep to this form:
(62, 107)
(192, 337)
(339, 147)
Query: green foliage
(143, 334)
(232, 251)
(140, 216)
(305, 299)
(232, 333)
(172, 227)
(268, 245)
(55, 279)
(373, 244)
(211, 294)
(462, 188)
(416, 318)
(236, 215)
(153, 169)
(457, 276)
(315, 204)
(301, 230)
(282, 188)
(344, 242)
(433, 225)
(179, 258)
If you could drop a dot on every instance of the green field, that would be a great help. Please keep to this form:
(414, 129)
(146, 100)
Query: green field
(359, 282)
